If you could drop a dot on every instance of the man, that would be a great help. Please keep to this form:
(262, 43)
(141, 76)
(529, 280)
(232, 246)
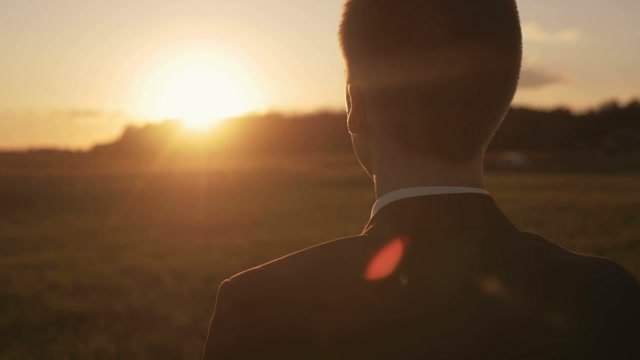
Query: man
(439, 272)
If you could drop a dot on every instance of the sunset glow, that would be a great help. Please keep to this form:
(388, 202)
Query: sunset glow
(76, 73)
(198, 89)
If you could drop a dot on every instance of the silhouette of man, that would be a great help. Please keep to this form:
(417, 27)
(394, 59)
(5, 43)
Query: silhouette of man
(439, 272)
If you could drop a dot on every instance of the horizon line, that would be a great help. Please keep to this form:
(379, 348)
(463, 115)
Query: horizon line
(132, 121)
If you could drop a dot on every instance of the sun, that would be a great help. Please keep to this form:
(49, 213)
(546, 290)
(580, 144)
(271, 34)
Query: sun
(199, 90)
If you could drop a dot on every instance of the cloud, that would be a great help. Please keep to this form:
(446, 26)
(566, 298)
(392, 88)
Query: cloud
(79, 113)
(535, 78)
(78, 128)
(535, 33)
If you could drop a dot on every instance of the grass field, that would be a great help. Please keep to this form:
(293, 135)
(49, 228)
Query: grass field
(126, 266)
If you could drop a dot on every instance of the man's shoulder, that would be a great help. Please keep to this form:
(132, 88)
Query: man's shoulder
(334, 261)
(596, 272)
(599, 294)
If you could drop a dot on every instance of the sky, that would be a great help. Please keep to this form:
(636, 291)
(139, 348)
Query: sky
(75, 72)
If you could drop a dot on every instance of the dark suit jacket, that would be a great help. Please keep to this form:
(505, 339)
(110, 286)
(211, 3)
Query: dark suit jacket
(438, 277)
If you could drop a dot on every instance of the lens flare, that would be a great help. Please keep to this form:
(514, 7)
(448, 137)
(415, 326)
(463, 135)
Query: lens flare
(385, 262)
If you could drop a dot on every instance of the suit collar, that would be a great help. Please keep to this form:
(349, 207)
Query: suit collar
(422, 191)
(467, 209)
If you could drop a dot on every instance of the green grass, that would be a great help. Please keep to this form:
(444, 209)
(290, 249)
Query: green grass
(127, 266)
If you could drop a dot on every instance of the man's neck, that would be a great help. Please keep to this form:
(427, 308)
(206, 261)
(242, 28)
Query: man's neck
(397, 175)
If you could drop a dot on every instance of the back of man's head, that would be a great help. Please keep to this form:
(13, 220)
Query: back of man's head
(440, 73)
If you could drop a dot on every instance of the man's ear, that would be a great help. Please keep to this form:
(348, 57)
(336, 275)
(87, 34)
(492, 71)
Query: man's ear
(356, 117)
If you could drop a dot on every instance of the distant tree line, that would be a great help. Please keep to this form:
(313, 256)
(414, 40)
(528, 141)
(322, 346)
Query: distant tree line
(604, 139)
(609, 129)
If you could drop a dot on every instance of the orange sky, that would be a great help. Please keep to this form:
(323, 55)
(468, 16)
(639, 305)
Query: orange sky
(74, 72)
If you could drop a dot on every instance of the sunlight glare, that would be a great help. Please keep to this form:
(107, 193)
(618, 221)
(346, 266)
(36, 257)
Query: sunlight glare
(200, 90)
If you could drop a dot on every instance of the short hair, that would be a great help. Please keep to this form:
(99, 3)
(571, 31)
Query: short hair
(443, 73)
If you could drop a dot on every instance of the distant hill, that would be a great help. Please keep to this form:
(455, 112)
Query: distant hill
(604, 139)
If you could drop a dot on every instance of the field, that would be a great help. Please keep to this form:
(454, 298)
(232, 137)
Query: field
(126, 266)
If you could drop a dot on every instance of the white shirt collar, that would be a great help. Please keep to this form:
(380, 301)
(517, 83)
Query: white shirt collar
(422, 191)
